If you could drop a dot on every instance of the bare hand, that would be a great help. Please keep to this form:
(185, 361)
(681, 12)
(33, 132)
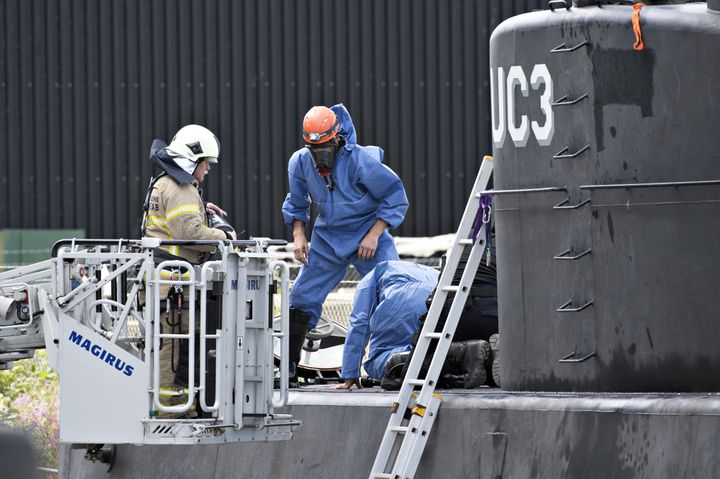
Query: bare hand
(215, 209)
(301, 249)
(348, 384)
(368, 246)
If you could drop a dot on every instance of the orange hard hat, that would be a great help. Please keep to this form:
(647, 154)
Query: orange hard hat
(319, 125)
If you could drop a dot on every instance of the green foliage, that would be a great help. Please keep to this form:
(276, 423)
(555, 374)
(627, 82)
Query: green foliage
(29, 399)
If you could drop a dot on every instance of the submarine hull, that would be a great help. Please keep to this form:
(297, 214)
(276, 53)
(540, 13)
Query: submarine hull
(607, 187)
(485, 433)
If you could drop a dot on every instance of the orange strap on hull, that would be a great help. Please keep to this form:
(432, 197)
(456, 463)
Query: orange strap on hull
(639, 45)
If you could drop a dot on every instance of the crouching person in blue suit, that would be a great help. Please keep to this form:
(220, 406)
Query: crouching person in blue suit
(390, 303)
(358, 200)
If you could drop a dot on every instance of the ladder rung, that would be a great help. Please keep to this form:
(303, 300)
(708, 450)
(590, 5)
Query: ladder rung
(451, 289)
(465, 242)
(416, 382)
(399, 429)
(433, 335)
(381, 476)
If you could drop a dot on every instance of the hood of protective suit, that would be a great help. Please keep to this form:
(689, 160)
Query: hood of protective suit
(346, 127)
(163, 159)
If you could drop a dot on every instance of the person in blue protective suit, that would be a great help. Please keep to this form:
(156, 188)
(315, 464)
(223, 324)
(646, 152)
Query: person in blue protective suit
(389, 302)
(358, 200)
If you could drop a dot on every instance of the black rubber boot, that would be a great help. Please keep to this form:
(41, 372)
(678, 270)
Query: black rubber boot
(467, 359)
(477, 354)
(298, 328)
(393, 377)
(454, 360)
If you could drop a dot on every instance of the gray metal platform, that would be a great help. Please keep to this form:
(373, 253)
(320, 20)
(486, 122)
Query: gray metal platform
(486, 433)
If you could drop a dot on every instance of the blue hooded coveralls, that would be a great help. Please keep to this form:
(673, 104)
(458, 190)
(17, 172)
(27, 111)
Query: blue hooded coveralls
(388, 304)
(365, 191)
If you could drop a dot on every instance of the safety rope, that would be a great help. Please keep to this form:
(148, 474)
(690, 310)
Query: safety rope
(639, 44)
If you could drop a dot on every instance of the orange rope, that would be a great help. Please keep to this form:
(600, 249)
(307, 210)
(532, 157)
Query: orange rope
(639, 45)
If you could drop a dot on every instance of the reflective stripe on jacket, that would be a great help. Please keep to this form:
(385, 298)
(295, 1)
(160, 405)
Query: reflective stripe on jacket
(177, 212)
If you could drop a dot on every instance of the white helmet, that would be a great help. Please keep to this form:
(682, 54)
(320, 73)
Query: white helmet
(191, 144)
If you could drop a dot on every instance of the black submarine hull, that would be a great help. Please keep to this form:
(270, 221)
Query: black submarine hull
(485, 433)
(608, 179)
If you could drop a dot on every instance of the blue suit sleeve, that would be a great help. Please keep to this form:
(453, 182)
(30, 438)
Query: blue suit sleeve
(297, 203)
(358, 333)
(386, 187)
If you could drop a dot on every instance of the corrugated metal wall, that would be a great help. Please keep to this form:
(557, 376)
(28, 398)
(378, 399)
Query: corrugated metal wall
(85, 85)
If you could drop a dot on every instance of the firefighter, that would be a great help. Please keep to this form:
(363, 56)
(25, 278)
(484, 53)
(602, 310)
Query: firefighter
(174, 209)
(358, 200)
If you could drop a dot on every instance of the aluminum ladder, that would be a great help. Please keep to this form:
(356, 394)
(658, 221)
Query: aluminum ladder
(401, 460)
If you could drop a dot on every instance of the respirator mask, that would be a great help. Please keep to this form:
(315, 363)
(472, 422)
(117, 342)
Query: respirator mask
(323, 156)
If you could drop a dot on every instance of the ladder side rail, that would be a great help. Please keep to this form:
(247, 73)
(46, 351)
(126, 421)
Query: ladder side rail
(157, 335)
(240, 336)
(202, 391)
(403, 397)
(446, 278)
(419, 426)
(406, 465)
(466, 223)
(283, 336)
(439, 298)
(453, 317)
